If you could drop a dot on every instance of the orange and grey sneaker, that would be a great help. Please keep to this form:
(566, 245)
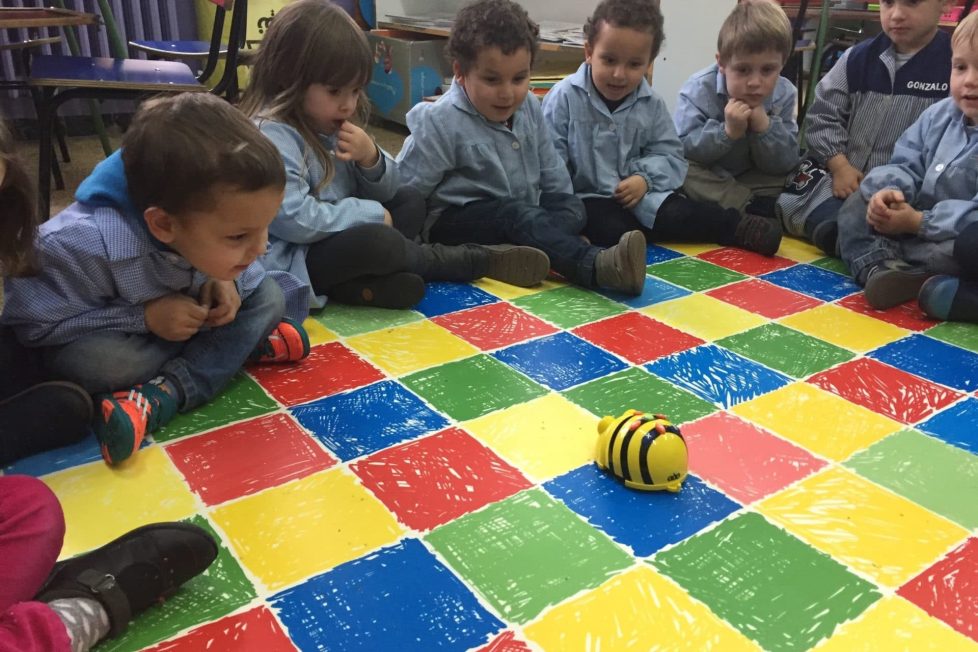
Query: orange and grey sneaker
(125, 418)
(287, 343)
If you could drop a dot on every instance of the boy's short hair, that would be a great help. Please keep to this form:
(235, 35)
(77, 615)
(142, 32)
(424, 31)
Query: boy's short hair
(755, 26)
(641, 15)
(178, 148)
(491, 23)
(966, 31)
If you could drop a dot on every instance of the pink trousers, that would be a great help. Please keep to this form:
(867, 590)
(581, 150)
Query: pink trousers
(32, 529)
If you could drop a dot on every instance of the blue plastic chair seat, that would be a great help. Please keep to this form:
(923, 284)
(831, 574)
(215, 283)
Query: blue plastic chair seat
(103, 72)
(177, 49)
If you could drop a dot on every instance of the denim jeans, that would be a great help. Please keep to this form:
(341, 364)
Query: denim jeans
(110, 361)
(554, 227)
(863, 247)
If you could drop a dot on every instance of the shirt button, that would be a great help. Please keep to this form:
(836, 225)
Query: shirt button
(939, 167)
(613, 126)
(516, 145)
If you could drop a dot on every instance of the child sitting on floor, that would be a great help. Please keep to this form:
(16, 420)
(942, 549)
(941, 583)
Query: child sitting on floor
(619, 143)
(900, 72)
(149, 293)
(341, 193)
(484, 157)
(736, 119)
(903, 224)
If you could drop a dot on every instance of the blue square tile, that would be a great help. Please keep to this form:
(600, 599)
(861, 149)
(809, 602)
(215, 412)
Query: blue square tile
(718, 375)
(645, 521)
(813, 281)
(368, 419)
(400, 598)
(560, 361)
(83, 452)
(655, 291)
(656, 254)
(957, 425)
(442, 298)
(932, 359)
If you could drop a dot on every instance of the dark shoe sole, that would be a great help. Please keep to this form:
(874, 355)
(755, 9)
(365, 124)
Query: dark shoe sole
(516, 265)
(887, 288)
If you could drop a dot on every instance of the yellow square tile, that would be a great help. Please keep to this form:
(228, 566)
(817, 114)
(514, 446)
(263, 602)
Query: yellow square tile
(895, 624)
(821, 422)
(799, 250)
(102, 502)
(638, 610)
(543, 437)
(845, 328)
(318, 334)
(509, 292)
(690, 249)
(305, 527)
(703, 316)
(404, 349)
(879, 533)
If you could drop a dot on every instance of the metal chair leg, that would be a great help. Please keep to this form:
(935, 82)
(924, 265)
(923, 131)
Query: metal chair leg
(45, 111)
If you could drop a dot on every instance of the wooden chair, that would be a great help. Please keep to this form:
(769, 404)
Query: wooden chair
(58, 79)
(206, 54)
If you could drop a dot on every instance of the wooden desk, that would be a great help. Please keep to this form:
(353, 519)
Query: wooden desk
(545, 46)
(18, 18)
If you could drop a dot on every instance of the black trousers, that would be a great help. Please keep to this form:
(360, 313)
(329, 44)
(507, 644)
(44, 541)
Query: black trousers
(679, 219)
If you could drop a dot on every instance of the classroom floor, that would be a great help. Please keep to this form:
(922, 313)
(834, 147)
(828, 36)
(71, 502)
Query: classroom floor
(424, 481)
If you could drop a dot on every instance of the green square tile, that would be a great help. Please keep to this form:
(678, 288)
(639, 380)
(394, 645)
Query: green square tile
(787, 350)
(221, 589)
(957, 333)
(569, 306)
(243, 398)
(941, 477)
(352, 320)
(833, 265)
(772, 587)
(695, 274)
(472, 387)
(638, 389)
(526, 553)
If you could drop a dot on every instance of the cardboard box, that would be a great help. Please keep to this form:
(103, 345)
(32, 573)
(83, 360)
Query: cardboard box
(407, 67)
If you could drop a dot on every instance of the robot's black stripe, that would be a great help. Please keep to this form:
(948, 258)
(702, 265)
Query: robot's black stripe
(626, 442)
(611, 444)
(643, 457)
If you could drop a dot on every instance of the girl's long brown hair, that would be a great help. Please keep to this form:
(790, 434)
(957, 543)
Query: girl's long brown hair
(308, 42)
(18, 213)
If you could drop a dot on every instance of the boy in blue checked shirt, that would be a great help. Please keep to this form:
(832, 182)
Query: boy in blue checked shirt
(619, 143)
(736, 119)
(149, 294)
(904, 223)
(484, 158)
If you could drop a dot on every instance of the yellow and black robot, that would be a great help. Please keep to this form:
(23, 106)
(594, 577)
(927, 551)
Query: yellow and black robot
(645, 451)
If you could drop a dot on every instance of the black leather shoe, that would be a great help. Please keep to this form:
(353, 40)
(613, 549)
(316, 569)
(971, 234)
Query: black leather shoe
(137, 570)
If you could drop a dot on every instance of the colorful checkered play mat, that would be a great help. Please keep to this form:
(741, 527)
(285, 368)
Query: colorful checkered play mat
(424, 481)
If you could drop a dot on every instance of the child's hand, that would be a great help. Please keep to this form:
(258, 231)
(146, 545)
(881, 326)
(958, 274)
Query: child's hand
(353, 144)
(631, 190)
(736, 118)
(388, 219)
(759, 120)
(845, 178)
(174, 317)
(890, 214)
(222, 300)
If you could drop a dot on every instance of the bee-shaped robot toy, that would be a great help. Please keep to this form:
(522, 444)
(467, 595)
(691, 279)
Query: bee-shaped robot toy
(645, 451)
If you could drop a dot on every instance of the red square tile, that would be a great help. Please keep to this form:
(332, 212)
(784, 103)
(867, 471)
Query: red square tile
(505, 642)
(907, 315)
(330, 368)
(763, 298)
(494, 326)
(436, 479)
(254, 631)
(745, 262)
(246, 457)
(637, 338)
(885, 389)
(949, 589)
(746, 462)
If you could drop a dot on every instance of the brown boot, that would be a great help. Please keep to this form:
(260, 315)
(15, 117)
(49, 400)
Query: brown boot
(622, 267)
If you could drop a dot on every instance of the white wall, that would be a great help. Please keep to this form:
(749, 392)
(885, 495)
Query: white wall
(691, 30)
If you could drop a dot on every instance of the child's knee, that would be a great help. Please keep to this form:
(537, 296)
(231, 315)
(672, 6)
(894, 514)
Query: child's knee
(30, 508)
